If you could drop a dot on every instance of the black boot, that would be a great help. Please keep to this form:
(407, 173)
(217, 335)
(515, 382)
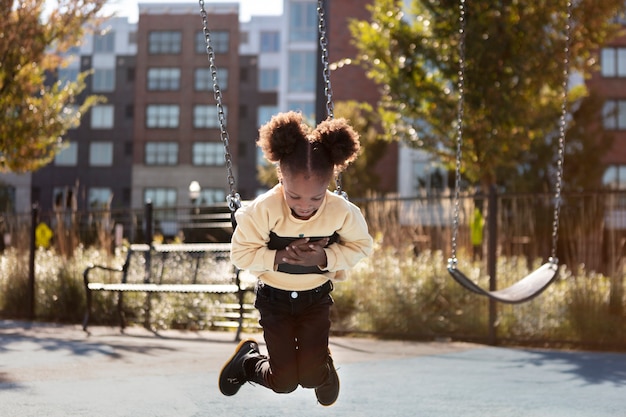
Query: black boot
(233, 374)
(328, 392)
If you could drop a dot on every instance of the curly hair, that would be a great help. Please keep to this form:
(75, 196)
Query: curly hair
(296, 148)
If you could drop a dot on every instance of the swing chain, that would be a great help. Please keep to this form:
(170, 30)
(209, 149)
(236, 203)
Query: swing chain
(330, 111)
(562, 125)
(561, 143)
(459, 132)
(325, 66)
(233, 199)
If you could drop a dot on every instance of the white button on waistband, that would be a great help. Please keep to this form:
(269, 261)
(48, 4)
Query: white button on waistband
(294, 294)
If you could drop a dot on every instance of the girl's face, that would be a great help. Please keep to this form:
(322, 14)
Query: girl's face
(304, 194)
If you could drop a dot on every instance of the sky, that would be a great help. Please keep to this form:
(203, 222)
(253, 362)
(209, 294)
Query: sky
(128, 8)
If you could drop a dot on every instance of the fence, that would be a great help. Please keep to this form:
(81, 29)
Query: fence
(592, 230)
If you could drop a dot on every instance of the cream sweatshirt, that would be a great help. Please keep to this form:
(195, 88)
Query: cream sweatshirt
(269, 217)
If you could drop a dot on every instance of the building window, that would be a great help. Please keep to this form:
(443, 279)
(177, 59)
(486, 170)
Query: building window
(99, 197)
(205, 116)
(614, 115)
(163, 79)
(67, 75)
(161, 153)
(265, 113)
(270, 41)
(303, 22)
(160, 197)
(68, 156)
(162, 116)
(102, 116)
(211, 196)
(64, 198)
(208, 153)
(101, 154)
(104, 42)
(307, 108)
(268, 79)
(164, 42)
(613, 62)
(203, 79)
(614, 177)
(103, 80)
(302, 66)
(71, 113)
(219, 42)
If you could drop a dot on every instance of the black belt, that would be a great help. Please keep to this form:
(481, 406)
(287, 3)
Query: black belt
(278, 294)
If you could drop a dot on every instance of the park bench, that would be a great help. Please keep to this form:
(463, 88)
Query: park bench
(186, 268)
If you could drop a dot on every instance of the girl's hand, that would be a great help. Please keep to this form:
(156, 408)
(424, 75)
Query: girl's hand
(305, 253)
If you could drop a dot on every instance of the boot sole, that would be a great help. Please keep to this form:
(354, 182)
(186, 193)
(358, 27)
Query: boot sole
(229, 362)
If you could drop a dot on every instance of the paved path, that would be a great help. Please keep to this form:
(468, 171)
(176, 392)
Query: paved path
(58, 371)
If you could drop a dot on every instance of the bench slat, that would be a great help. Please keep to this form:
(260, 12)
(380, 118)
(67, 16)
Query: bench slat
(172, 288)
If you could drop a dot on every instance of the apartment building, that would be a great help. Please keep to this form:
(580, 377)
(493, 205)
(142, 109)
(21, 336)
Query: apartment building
(94, 170)
(176, 134)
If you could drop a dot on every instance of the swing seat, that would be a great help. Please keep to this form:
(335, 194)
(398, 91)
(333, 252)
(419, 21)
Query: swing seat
(525, 289)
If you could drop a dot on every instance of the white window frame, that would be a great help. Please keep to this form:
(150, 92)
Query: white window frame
(302, 76)
(269, 79)
(162, 42)
(203, 79)
(103, 80)
(220, 42)
(163, 79)
(101, 154)
(99, 197)
(162, 116)
(208, 154)
(102, 116)
(161, 153)
(68, 156)
(205, 116)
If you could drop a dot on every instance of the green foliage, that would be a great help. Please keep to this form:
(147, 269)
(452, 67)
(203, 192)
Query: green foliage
(514, 72)
(360, 179)
(34, 115)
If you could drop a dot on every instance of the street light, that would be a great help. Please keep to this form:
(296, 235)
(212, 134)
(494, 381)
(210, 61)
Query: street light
(194, 192)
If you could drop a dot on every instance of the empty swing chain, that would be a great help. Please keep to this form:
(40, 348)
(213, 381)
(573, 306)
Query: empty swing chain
(459, 133)
(562, 122)
(561, 144)
(233, 199)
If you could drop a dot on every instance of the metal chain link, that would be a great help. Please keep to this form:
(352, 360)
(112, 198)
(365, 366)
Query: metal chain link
(233, 198)
(459, 133)
(562, 122)
(328, 91)
(330, 110)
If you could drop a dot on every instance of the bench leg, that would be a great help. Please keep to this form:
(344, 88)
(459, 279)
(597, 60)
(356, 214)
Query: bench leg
(120, 310)
(87, 299)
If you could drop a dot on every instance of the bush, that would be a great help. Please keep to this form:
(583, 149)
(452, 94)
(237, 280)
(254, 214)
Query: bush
(394, 293)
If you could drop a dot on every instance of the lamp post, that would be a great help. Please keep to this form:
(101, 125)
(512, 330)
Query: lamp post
(194, 192)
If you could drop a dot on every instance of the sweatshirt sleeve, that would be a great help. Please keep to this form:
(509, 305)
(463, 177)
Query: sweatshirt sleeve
(355, 242)
(249, 242)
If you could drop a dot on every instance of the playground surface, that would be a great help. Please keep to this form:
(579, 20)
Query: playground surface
(59, 371)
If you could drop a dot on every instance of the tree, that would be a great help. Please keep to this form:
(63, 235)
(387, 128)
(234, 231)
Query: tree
(35, 113)
(514, 72)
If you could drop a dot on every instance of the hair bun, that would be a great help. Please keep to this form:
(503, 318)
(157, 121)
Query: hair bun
(279, 137)
(340, 139)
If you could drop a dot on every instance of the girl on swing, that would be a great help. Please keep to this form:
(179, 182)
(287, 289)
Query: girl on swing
(297, 238)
